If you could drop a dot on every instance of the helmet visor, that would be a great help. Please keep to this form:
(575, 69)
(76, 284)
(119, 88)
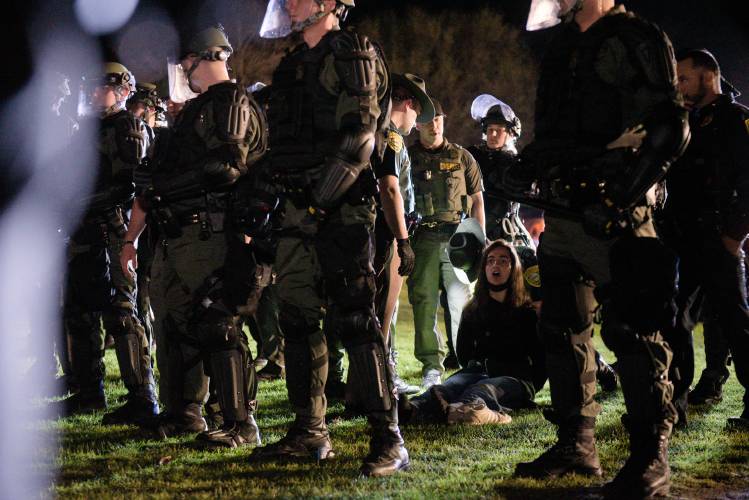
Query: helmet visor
(543, 14)
(277, 22)
(179, 85)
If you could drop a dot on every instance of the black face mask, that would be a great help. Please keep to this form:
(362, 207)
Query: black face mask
(499, 288)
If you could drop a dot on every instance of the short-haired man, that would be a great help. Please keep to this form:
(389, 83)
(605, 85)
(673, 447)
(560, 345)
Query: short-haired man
(447, 187)
(705, 220)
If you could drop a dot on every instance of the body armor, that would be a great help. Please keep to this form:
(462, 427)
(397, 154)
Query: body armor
(440, 182)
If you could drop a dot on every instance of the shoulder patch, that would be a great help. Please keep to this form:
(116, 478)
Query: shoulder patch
(532, 277)
(746, 124)
(395, 141)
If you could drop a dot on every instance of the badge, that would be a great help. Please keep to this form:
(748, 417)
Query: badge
(395, 141)
(447, 166)
(532, 277)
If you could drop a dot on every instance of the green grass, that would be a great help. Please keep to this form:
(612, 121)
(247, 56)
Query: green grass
(447, 462)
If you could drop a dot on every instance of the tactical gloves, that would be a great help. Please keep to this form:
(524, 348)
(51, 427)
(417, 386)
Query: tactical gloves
(407, 256)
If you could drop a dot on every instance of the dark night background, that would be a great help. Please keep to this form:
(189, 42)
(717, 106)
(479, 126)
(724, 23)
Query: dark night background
(718, 25)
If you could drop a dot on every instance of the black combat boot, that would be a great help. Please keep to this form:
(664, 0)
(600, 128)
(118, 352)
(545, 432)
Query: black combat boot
(297, 443)
(574, 452)
(232, 435)
(708, 391)
(81, 403)
(646, 473)
(136, 411)
(606, 375)
(387, 453)
(187, 419)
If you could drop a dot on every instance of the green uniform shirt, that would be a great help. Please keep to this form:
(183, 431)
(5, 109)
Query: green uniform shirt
(444, 180)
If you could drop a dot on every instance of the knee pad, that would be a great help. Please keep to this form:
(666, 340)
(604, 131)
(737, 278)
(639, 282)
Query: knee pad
(230, 374)
(370, 380)
(353, 326)
(215, 330)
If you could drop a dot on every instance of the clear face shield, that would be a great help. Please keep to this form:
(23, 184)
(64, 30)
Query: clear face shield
(179, 84)
(277, 22)
(96, 97)
(547, 13)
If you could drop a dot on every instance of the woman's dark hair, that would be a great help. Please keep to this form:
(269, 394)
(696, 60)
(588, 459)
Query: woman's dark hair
(517, 295)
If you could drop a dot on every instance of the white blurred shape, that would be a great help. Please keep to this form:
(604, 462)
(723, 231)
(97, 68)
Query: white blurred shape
(36, 144)
(99, 17)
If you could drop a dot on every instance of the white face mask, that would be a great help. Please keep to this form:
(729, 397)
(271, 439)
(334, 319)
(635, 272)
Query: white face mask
(179, 85)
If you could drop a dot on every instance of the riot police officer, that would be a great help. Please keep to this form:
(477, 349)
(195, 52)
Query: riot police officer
(447, 187)
(705, 220)
(501, 129)
(326, 101)
(606, 72)
(216, 138)
(96, 286)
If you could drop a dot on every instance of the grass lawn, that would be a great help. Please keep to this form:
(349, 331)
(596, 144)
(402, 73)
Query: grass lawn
(456, 462)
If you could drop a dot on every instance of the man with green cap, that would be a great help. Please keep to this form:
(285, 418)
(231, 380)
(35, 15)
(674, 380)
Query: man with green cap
(96, 286)
(202, 255)
(448, 187)
(326, 103)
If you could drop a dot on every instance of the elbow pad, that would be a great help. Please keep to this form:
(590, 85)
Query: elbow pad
(218, 175)
(342, 170)
(667, 137)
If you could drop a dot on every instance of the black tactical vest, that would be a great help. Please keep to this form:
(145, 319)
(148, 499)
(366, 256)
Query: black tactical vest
(301, 113)
(574, 102)
(492, 164)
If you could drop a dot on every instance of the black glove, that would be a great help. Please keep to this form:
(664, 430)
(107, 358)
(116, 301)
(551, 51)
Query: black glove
(518, 179)
(407, 256)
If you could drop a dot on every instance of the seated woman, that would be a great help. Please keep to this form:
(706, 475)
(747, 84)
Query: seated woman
(497, 345)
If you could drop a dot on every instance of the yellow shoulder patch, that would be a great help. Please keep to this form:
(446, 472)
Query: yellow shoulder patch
(532, 277)
(746, 123)
(395, 141)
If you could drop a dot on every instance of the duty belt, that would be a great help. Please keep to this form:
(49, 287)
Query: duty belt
(439, 227)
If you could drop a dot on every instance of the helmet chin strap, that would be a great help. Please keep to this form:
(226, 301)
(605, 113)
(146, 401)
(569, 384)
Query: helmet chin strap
(314, 18)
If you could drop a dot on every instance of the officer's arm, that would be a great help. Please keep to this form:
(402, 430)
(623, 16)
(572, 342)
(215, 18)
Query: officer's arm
(655, 102)
(477, 208)
(736, 146)
(137, 224)
(355, 67)
(392, 205)
(235, 135)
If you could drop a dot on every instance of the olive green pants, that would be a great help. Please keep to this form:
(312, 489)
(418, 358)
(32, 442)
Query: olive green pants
(433, 268)
(572, 264)
(179, 269)
(324, 271)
